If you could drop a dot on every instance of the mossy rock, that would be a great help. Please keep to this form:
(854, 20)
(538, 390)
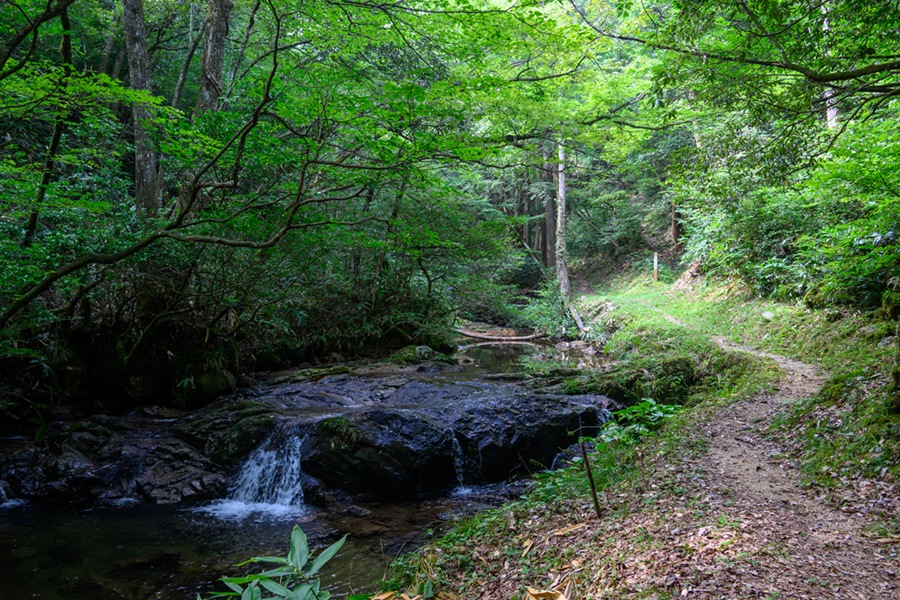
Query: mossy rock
(418, 354)
(209, 386)
(311, 375)
(228, 433)
(667, 379)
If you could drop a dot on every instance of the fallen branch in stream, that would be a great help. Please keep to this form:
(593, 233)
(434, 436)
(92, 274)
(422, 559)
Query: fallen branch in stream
(493, 343)
(501, 338)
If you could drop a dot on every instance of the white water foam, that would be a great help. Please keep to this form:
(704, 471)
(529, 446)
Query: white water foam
(268, 484)
(235, 510)
(13, 503)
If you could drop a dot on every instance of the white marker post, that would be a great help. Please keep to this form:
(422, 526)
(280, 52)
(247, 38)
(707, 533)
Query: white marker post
(655, 266)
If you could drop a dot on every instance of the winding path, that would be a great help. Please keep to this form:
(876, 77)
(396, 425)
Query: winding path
(817, 551)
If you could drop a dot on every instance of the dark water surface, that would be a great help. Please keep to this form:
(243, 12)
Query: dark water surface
(59, 552)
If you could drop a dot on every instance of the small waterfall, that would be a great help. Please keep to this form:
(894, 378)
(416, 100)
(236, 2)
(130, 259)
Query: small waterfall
(459, 460)
(271, 474)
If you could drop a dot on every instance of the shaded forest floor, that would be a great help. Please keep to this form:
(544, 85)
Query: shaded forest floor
(720, 504)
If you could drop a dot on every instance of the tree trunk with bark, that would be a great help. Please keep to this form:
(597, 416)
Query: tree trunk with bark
(50, 161)
(147, 191)
(549, 245)
(212, 61)
(562, 267)
(185, 67)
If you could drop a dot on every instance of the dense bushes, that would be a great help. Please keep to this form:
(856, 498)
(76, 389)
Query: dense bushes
(827, 231)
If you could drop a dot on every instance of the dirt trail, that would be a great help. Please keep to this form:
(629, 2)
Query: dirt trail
(581, 286)
(817, 550)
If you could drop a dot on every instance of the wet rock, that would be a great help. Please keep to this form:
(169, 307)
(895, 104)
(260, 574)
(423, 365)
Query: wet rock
(151, 454)
(373, 437)
(159, 412)
(419, 354)
(228, 432)
(357, 511)
(888, 341)
(210, 386)
(318, 494)
(381, 454)
(424, 437)
(301, 375)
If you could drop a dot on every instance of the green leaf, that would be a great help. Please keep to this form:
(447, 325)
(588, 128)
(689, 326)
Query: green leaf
(252, 593)
(299, 553)
(324, 557)
(304, 591)
(272, 559)
(284, 572)
(277, 588)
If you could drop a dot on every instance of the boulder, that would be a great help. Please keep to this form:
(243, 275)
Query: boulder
(373, 437)
(152, 454)
(409, 437)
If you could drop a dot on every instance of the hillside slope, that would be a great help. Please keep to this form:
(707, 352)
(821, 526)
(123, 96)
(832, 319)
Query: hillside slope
(763, 487)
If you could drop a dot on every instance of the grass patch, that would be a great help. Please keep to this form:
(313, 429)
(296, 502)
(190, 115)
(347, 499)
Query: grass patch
(527, 543)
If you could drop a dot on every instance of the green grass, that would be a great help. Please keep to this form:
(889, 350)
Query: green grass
(846, 432)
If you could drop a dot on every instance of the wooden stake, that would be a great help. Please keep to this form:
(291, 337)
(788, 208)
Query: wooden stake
(587, 466)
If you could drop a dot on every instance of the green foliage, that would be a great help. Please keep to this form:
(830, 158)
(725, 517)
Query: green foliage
(638, 420)
(293, 579)
(609, 464)
(547, 312)
(831, 229)
(342, 430)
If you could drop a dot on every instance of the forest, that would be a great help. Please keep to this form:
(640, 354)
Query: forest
(196, 195)
(190, 188)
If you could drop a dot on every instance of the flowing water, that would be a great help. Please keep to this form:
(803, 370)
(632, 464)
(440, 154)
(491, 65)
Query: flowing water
(140, 552)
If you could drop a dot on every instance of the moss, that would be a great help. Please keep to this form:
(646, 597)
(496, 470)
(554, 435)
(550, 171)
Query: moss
(228, 433)
(311, 375)
(341, 429)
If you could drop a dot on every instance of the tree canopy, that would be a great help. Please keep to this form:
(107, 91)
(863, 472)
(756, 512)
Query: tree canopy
(286, 178)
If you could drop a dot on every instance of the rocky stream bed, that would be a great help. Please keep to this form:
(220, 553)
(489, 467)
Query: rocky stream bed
(379, 452)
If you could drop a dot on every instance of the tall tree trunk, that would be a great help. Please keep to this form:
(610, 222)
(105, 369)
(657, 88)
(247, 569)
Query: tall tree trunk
(831, 107)
(239, 59)
(549, 249)
(562, 267)
(212, 68)
(120, 60)
(212, 61)
(107, 51)
(676, 227)
(147, 191)
(526, 208)
(379, 266)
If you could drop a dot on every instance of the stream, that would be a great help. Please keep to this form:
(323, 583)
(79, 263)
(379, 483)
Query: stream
(125, 549)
